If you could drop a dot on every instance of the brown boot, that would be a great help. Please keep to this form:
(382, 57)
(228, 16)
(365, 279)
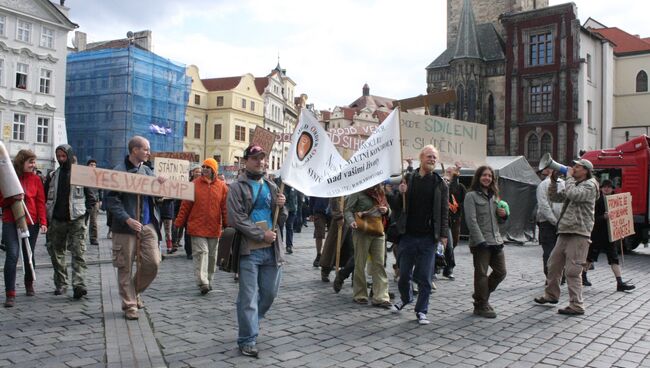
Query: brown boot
(29, 288)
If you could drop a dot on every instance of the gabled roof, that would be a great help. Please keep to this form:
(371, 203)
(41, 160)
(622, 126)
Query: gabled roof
(221, 84)
(625, 43)
(261, 84)
(62, 17)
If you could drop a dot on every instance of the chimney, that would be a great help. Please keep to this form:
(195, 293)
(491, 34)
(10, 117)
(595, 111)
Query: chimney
(366, 90)
(79, 41)
(143, 39)
(62, 8)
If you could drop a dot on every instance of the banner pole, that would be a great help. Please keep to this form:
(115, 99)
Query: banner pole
(276, 211)
(138, 241)
(401, 152)
(339, 236)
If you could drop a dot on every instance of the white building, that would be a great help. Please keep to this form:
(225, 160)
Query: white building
(280, 115)
(596, 91)
(33, 49)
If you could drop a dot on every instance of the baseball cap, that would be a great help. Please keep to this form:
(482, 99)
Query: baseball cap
(584, 163)
(253, 150)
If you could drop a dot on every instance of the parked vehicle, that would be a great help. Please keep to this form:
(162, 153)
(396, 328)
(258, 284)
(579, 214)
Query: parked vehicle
(628, 167)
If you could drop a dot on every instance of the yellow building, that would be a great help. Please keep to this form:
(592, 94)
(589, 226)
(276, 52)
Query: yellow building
(221, 116)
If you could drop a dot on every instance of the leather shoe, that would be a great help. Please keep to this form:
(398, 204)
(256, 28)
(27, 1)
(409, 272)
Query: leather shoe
(60, 291)
(79, 292)
(543, 300)
(570, 311)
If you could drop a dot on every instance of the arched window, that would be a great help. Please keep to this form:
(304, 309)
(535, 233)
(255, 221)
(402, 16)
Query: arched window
(471, 101)
(547, 143)
(491, 115)
(460, 102)
(532, 148)
(642, 82)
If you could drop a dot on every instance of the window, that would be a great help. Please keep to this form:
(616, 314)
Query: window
(471, 101)
(197, 99)
(588, 67)
(590, 122)
(540, 49)
(547, 143)
(491, 115)
(24, 31)
(460, 102)
(540, 99)
(185, 129)
(217, 158)
(243, 103)
(219, 100)
(197, 130)
(533, 148)
(45, 82)
(19, 127)
(217, 131)
(251, 132)
(3, 21)
(642, 82)
(108, 108)
(47, 38)
(43, 130)
(240, 133)
(21, 75)
(252, 105)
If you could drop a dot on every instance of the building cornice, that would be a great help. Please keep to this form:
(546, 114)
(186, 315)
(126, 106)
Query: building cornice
(27, 52)
(27, 104)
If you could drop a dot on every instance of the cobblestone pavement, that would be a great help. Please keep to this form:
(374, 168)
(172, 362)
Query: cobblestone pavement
(311, 326)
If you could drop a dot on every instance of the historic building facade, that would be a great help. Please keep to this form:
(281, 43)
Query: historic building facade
(33, 49)
(542, 72)
(221, 117)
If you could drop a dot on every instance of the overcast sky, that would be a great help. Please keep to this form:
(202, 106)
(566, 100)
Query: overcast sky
(329, 48)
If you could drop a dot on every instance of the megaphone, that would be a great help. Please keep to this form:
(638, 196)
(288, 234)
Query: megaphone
(547, 162)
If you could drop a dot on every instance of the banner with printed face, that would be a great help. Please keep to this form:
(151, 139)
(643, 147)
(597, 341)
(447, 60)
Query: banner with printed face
(314, 166)
(456, 140)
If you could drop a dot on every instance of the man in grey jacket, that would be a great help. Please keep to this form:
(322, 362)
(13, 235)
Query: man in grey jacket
(252, 201)
(574, 230)
(136, 223)
(547, 215)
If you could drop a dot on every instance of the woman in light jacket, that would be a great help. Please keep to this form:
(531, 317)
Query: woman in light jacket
(483, 215)
(368, 203)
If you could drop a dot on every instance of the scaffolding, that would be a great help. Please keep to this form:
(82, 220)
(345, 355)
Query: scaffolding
(115, 94)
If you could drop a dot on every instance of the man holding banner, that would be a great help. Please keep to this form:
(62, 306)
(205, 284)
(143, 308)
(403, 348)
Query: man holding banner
(136, 231)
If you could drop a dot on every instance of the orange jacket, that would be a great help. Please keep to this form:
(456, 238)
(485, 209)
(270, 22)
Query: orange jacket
(207, 214)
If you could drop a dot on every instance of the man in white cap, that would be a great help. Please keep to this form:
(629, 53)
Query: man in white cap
(574, 230)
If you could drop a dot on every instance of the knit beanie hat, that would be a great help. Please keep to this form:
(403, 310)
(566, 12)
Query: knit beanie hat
(213, 164)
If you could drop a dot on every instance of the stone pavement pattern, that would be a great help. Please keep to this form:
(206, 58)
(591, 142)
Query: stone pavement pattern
(311, 326)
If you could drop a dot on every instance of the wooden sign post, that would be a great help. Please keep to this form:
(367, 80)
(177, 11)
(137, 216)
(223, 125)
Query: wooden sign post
(121, 181)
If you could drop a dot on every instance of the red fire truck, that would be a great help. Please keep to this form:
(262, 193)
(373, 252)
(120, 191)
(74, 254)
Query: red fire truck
(628, 167)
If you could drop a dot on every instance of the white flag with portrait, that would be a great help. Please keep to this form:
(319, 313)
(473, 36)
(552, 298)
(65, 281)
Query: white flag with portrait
(314, 167)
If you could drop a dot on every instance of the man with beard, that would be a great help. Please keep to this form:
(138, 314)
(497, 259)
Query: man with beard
(252, 201)
(422, 225)
(68, 208)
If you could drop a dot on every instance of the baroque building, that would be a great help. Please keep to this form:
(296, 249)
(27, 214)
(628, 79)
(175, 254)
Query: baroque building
(33, 49)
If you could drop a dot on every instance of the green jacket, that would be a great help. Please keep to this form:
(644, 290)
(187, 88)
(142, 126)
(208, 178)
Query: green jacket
(577, 216)
(481, 219)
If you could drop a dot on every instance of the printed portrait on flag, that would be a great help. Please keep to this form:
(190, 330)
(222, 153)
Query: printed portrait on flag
(305, 143)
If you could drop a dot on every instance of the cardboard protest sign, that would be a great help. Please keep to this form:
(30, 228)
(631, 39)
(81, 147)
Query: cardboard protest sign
(171, 168)
(619, 212)
(457, 141)
(121, 181)
(263, 138)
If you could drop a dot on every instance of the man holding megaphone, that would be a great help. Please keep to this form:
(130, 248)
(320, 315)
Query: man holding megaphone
(574, 230)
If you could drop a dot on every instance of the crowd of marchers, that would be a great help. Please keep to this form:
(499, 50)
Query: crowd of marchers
(418, 218)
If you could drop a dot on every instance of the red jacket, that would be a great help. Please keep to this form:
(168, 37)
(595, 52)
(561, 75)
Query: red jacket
(34, 199)
(207, 214)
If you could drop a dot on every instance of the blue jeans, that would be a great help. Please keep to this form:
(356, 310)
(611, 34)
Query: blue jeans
(10, 238)
(416, 263)
(259, 281)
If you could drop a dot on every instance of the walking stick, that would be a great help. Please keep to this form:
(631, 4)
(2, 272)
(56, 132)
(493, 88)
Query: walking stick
(276, 212)
(138, 241)
(339, 235)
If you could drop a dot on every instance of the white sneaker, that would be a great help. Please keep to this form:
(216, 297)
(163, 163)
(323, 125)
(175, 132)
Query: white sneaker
(397, 307)
(433, 286)
(422, 318)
